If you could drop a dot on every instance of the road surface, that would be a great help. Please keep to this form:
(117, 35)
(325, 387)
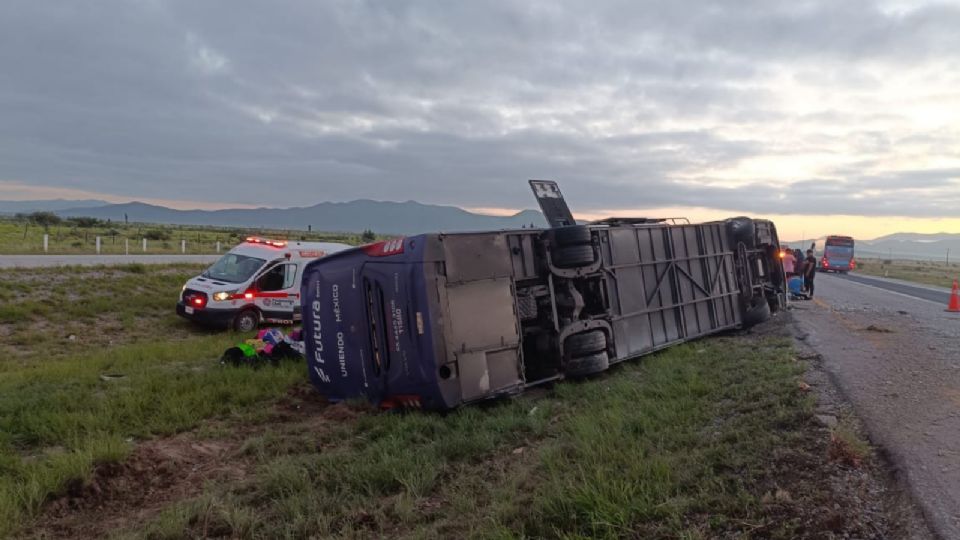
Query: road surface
(34, 261)
(894, 352)
(939, 295)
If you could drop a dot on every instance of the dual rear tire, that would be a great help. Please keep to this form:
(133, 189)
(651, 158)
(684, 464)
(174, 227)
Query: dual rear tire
(572, 247)
(586, 354)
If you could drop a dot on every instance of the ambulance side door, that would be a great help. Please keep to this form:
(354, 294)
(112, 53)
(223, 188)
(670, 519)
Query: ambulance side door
(278, 293)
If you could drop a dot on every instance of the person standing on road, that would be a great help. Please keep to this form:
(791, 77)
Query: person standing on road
(809, 272)
(789, 262)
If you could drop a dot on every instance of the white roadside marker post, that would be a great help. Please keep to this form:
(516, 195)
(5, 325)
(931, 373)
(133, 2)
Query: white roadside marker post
(46, 243)
(98, 245)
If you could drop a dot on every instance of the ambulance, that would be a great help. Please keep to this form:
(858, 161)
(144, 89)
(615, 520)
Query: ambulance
(256, 282)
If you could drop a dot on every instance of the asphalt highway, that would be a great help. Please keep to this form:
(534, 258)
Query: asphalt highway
(939, 295)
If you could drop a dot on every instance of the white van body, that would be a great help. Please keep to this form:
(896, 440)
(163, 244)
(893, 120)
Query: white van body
(256, 282)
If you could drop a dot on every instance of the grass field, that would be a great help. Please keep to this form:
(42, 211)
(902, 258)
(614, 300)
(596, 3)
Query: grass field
(926, 272)
(20, 237)
(678, 446)
(93, 360)
(133, 430)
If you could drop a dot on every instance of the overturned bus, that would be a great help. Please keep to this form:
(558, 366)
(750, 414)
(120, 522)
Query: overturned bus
(439, 320)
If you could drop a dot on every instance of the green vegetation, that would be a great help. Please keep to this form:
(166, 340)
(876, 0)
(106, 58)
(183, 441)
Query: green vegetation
(683, 444)
(925, 272)
(676, 446)
(62, 312)
(132, 370)
(24, 235)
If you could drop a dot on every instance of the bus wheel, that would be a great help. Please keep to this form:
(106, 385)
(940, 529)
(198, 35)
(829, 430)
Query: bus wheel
(742, 229)
(246, 321)
(582, 366)
(586, 343)
(756, 314)
(573, 256)
(571, 236)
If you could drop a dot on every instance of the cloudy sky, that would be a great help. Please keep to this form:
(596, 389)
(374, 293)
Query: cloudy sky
(829, 116)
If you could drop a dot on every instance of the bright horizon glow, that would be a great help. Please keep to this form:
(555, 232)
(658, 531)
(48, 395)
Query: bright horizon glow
(791, 227)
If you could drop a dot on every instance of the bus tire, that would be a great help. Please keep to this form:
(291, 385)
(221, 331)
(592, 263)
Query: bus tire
(247, 320)
(574, 235)
(586, 343)
(742, 229)
(584, 366)
(574, 256)
(756, 314)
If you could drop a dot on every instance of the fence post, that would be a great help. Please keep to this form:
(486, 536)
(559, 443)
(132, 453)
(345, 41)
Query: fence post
(144, 245)
(98, 245)
(183, 246)
(126, 246)
(46, 242)
(218, 246)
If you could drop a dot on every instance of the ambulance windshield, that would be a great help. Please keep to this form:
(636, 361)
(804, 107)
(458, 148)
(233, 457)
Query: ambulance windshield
(234, 268)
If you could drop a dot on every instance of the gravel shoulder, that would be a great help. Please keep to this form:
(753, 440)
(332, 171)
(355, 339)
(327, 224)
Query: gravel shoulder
(896, 360)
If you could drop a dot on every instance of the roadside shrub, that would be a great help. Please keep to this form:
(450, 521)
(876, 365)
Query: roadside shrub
(157, 234)
(44, 219)
(84, 222)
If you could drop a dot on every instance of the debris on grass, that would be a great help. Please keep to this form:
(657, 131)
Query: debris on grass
(846, 447)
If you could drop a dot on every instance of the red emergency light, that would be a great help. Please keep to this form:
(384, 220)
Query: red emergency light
(266, 242)
(198, 301)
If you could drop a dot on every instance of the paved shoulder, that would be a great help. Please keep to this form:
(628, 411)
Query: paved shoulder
(897, 358)
(36, 261)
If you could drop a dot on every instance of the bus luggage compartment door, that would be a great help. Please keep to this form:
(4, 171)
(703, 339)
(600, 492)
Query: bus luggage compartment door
(483, 337)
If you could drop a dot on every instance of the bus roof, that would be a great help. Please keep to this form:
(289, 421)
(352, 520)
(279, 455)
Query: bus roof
(839, 240)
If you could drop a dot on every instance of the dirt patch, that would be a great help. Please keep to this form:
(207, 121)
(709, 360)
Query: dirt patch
(163, 471)
(157, 473)
(878, 329)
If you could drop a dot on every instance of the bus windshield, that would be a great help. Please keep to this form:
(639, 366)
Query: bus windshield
(840, 252)
(233, 268)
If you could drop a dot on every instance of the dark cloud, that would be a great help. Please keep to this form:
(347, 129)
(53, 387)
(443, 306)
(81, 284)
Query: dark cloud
(628, 104)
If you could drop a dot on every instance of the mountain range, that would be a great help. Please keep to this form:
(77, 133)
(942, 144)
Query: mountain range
(384, 217)
(49, 205)
(409, 217)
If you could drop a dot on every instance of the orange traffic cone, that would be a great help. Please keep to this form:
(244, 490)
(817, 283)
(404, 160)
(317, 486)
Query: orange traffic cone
(954, 305)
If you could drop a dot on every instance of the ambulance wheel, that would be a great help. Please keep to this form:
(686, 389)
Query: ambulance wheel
(583, 366)
(573, 256)
(246, 321)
